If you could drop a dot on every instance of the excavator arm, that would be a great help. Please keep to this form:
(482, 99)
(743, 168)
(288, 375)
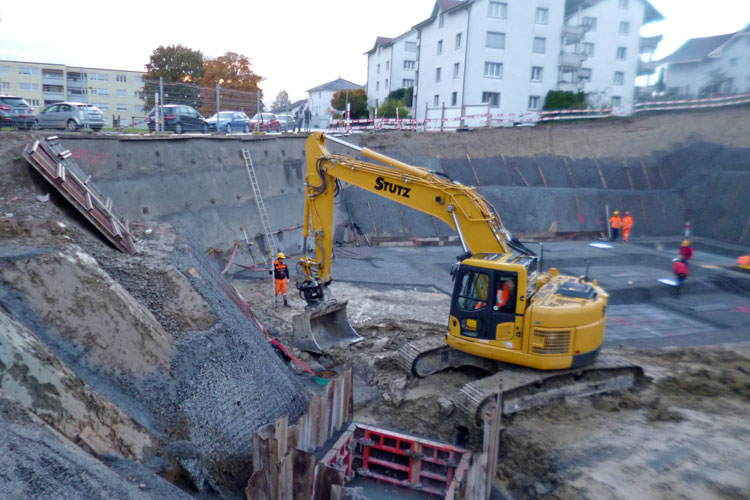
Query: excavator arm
(475, 220)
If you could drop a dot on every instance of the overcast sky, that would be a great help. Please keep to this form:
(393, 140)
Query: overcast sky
(294, 44)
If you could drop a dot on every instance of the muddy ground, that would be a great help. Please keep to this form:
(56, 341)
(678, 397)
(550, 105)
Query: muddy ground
(682, 434)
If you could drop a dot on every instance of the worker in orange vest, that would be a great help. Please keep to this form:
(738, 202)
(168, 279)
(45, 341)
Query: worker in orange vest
(744, 262)
(680, 270)
(505, 293)
(615, 222)
(686, 251)
(627, 224)
(281, 276)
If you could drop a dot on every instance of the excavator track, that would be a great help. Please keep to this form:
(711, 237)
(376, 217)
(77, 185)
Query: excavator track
(520, 388)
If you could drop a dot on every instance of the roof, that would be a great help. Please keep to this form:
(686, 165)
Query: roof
(697, 49)
(337, 84)
(649, 16)
(379, 41)
(291, 106)
(443, 6)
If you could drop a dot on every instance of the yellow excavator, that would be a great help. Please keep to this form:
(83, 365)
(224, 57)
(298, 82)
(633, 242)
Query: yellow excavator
(527, 327)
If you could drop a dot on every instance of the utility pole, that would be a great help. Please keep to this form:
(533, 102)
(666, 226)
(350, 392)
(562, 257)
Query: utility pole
(217, 107)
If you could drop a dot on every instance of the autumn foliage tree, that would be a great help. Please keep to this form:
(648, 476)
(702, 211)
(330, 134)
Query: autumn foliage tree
(181, 68)
(233, 73)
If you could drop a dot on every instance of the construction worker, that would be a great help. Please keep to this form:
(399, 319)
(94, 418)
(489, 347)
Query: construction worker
(615, 222)
(281, 276)
(686, 251)
(680, 270)
(627, 224)
(505, 293)
(744, 262)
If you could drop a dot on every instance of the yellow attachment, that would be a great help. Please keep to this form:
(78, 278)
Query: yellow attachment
(617, 212)
(281, 255)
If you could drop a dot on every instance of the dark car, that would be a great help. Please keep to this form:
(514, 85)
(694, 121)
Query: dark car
(229, 121)
(16, 112)
(287, 123)
(265, 122)
(179, 118)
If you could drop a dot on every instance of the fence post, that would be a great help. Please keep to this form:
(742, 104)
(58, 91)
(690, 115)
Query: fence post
(442, 117)
(426, 115)
(462, 123)
(217, 107)
(489, 116)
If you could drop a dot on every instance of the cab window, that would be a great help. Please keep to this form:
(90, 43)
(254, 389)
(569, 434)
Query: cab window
(505, 291)
(473, 293)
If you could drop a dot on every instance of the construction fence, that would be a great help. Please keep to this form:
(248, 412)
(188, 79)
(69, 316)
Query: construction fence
(446, 118)
(207, 100)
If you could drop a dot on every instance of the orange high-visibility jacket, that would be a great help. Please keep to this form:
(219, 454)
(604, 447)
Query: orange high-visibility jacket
(504, 295)
(280, 270)
(615, 221)
(627, 222)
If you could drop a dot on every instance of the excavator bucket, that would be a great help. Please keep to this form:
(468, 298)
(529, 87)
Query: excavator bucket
(321, 329)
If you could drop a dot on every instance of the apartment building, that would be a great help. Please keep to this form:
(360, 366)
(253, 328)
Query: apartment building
(711, 65)
(391, 65)
(505, 56)
(117, 93)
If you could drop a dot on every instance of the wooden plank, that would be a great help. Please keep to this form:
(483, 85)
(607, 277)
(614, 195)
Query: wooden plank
(285, 474)
(257, 487)
(280, 433)
(303, 465)
(325, 478)
(273, 468)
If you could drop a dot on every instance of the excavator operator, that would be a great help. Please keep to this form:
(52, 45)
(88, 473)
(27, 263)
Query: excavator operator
(505, 293)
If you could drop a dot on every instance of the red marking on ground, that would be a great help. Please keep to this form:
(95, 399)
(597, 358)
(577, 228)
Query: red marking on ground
(741, 309)
(90, 157)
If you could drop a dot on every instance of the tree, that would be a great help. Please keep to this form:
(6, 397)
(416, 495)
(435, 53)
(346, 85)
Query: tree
(389, 106)
(357, 102)
(282, 100)
(179, 66)
(560, 99)
(405, 95)
(231, 71)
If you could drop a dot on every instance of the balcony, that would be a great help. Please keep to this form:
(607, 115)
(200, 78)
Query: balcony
(52, 78)
(649, 43)
(569, 86)
(647, 68)
(53, 96)
(571, 61)
(573, 34)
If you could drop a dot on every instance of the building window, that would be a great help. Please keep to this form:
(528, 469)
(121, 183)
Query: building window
(377, 85)
(99, 91)
(407, 83)
(584, 75)
(493, 70)
(542, 15)
(386, 84)
(6, 85)
(410, 46)
(122, 107)
(536, 73)
(33, 102)
(28, 86)
(458, 40)
(588, 49)
(138, 108)
(74, 91)
(499, 10)
(409, 65)
(540, 45)
(589, 23)
(102, 77)
(491, 98)
(624, 28)
(456, 69)
(121, 78)
(619, 78)
(138, 94)
(387, 65)
(102, 106)
(495, 40)
(441, 20)
(437, 74)
(622, 53)
(616, 101)
(454, 98)
(440, 47)
(378, 70)
(122, 93)
(623, 4)
(535, 102)
(23, 70)
(436, 100)
(379, 50)
(4, 69)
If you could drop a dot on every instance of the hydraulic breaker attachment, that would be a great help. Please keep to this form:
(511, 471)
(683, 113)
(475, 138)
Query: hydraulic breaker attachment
(320, 329)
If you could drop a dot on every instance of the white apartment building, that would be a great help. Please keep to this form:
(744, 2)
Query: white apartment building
(118, 93)
(505, 56)
(391, 65)
(319, 100)
(711, 65)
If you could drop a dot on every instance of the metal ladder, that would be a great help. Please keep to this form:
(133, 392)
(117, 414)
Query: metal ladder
(261, 210)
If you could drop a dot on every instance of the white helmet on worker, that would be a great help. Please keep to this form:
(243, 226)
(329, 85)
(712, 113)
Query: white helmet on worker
(281, 255)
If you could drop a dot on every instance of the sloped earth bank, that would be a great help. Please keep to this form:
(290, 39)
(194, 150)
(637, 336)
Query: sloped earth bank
(682, 434)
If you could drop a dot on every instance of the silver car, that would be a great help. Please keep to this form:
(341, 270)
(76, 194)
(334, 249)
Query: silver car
(71, 116)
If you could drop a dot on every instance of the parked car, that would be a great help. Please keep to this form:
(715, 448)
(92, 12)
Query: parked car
(179, 118)
(71, 116)
(287, 123)
(269, 123)
(229, 121)
(16, 112)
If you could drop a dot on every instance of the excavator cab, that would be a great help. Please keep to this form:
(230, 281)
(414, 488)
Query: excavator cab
(489, 300)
